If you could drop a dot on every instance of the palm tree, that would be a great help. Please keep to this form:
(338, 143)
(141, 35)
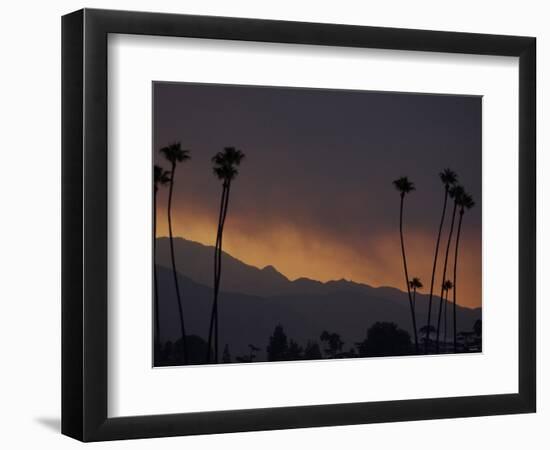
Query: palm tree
(161, 178)
(175, 154)
(404, 186)
(447, 286)
(448, 178)
(225, 169)
(456, 193)
(415, 284)
(466, 202)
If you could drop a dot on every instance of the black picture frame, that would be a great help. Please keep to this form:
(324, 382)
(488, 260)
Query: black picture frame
(84, 224)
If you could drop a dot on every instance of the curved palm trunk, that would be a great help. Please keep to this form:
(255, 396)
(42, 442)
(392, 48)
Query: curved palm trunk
(454, 279)
(444, 277)
(174, 271)
(220, 252)
(213, 311)
(213, 328)
(414, 299)
(157, 320)
(407, 273)
(435, 266)
(445, 317)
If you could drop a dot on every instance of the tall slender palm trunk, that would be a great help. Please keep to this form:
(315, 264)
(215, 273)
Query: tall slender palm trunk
(413, 314)
(445, 317)
(217, 292)
(155, 280)
(434, 269)
(215, 282)
(213, 328)
(174, 271)
(414, 299)
(454, 278)
(444, 276)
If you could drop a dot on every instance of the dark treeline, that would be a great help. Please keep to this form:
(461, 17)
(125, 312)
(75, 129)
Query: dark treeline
(382, 339)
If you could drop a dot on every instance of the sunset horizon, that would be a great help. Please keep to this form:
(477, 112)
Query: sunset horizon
(294, 256)
(377, 188)
(295, 278)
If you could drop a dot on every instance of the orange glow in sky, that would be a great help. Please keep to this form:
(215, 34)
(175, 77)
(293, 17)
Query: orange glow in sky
(297, 253)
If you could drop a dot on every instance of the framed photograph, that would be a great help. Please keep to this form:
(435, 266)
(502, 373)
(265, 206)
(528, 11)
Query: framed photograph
(273, 224)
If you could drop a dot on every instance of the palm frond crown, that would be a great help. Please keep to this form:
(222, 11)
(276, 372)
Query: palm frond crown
(448, 285)
(466, 201)
(456, 192)
(416, 283)
(174, 153)
(226, 163)
(404, 185)
(448, 177)
(162, 177)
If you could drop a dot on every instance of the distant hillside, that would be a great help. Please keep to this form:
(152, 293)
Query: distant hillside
(253, 301)
(197, 261)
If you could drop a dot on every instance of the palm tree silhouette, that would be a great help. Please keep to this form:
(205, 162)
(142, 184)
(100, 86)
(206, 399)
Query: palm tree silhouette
(448, 178)
(404, 186)
(415, 284)
(466, 202)
(175, 154)
(456, 193)
(447, 286)
(161, 178)
(225, 169)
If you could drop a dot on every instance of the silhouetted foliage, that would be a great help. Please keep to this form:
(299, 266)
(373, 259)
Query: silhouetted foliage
(277, 348)
(385, 339)
(225, 169)
(448, 178)
(161, 177)
(334, 343)
(312, 351)
(415, 283)
(173, 354)
(294, 351)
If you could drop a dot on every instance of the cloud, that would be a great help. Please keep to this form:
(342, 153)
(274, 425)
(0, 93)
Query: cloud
(314, 196)
(310, 252)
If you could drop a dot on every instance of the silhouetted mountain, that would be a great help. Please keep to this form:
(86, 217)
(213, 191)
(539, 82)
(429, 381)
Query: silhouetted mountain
(196, 261)
(253, 301)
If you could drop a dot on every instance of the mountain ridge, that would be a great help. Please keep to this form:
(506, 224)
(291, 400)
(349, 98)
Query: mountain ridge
(241, 277)
(247, 319)
(254, 301)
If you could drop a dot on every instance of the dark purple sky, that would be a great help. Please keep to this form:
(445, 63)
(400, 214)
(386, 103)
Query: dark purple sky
(314, 195)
